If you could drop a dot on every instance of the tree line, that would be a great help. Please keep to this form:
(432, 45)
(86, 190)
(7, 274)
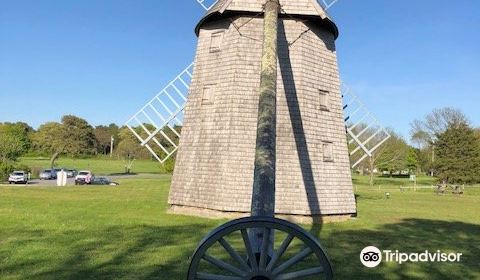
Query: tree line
(72, 137)
(444, 145)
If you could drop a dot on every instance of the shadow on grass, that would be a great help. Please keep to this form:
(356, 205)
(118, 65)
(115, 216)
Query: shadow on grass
(140, 252)
(156, 252)
(409, 236)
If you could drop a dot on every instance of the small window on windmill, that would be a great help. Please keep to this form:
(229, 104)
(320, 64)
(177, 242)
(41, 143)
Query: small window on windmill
(208, 95)
(324, 100)
(216, 41)
(327, 151)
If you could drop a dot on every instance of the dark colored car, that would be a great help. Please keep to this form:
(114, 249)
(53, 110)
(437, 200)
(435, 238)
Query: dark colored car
(103, 181)
(48, 174)
(71, 173)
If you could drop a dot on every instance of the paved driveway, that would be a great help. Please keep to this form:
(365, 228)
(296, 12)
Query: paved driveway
(71, 181)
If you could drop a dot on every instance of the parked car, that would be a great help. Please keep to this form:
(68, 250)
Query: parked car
(18, 177)
(104, 181)
(48, 174)
(71, 173)
(84, 178)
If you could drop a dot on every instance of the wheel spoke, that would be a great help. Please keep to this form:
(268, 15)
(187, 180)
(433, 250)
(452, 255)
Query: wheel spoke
(301, 273)
(248, 246)
(299, 257)
(234, 254)
(264, 249)
(207, 276)
(279, 253)
(223, 265)
(260, 259)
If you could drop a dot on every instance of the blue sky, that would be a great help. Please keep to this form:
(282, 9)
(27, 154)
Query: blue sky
(102, 60)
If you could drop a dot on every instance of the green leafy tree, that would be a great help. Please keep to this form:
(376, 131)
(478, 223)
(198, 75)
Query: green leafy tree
(103, 135)
(73, 137)
(458, 155)
(10, 147)
(391, 156)
(14, 140)
(129, 149)
(424, 133)
(424, 157)
(412, 162)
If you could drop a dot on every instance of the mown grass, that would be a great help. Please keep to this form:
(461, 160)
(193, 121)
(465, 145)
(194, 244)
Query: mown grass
(124, 233)
(385, 182)
(100, 166)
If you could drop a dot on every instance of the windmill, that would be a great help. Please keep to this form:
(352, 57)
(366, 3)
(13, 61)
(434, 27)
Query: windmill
(216, 151)
(158, 126)
(165, 112)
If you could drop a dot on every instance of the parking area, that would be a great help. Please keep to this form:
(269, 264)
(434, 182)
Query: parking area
(70, 181)
(38, 182)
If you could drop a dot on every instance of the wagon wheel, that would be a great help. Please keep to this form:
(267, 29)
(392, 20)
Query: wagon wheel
(269, 263)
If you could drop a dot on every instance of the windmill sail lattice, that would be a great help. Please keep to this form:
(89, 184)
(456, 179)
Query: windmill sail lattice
(364, 131)
(157, 124)
(207, 4)
(327, 4)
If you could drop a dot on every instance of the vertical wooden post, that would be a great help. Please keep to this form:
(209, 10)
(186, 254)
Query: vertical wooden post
(263, 197)
(111, 146)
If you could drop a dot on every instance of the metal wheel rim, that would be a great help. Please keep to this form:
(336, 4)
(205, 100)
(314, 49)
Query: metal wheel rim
(263, 268)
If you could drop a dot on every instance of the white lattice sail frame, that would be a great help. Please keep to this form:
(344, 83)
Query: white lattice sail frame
(164, 111)
(370, 134)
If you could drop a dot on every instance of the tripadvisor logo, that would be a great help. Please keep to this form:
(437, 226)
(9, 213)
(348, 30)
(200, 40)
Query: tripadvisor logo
(372, 256)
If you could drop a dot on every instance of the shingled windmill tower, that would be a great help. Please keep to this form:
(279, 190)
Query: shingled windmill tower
(215, 162)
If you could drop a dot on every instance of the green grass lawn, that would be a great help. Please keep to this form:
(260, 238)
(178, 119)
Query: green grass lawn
(391, 182)
(124, 232)
(100, 166)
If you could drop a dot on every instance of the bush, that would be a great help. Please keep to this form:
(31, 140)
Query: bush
(23, 167)
(5, 170)
(168, 166)
(35, 170)
(8, 167)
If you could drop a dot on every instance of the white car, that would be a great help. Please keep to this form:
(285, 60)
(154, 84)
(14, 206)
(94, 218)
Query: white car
(18, 177)
(84, 178)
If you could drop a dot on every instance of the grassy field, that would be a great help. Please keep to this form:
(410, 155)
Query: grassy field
(100, 166)
(124, 232)
(389, 183)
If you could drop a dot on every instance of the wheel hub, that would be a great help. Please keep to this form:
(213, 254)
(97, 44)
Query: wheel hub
(260, 278)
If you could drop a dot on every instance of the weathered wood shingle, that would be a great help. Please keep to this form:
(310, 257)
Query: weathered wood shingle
(297, 7)
(215, 161)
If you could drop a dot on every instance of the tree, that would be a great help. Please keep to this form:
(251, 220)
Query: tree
(73, 137)
(103, 135)
(412, 160)
(10, 147)
(129, 149)
(458, 155)
(14, 140)
(391, 156)
(424, 132)
(435, 123)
